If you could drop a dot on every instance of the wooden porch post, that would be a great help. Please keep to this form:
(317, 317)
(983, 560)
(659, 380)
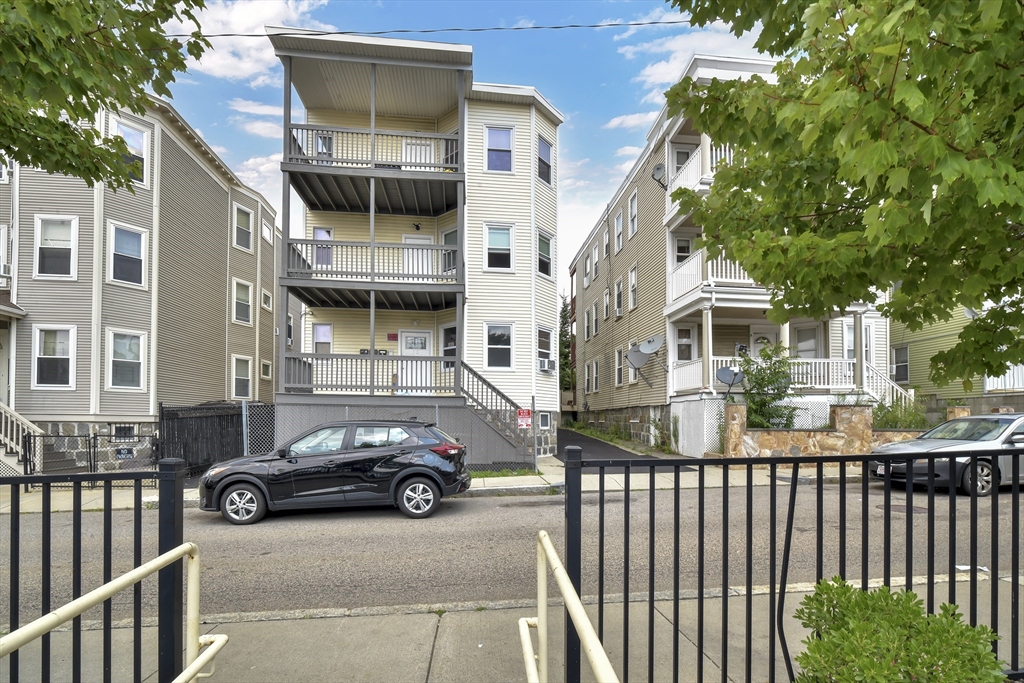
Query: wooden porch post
(706, 367)
(282, 296)
(858, 351)
(459, 338)
(784, 334)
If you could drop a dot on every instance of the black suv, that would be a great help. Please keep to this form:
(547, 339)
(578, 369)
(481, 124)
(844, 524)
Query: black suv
(408, 464)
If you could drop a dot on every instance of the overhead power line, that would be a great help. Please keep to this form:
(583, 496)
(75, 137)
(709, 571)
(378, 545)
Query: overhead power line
(483, 29)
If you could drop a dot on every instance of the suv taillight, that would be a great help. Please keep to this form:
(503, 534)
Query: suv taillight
(447, 449)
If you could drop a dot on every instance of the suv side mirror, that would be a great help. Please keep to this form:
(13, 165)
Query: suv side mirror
(1017, 439)
(282, 453)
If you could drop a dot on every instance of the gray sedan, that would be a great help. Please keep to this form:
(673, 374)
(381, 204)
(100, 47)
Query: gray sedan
(991, 440)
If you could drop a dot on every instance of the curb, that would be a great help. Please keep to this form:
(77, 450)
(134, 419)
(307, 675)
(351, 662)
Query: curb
(529, 490)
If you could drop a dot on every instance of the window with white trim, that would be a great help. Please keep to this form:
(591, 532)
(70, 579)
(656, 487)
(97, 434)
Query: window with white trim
(597, 261)
(607, 303)
(449, 344)
(901, 364)
(632, 215)
(126, 356)
(586, 272)
(618, 298)
(243, 301)
(849, 343)
(586, 324)
(545, 356)
(632, 288)
(605, 241)
(53, 356)
(595, 317)
(595, 375)
(4, 245)
(5, 169)
(499, 345)
(291, 329)
(544, 420)
(499, 149)
(618, 367)
(618, 232)
(128, 251)
(499, 247)
(241, 375)
(544, 160)
(268, 232)
(685, 343)
(682, 249)
(266, 369)
(136, 139)
(266, 300)
(323, 337)
(544, 254)
(586, 374)
(633, 375)
(243, 228)
(806, 345)
(449, 256)
(56, 247)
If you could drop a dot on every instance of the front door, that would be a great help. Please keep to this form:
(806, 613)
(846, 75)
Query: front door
(417, 263)
(415, 376)
(315, 463)
(759, 340)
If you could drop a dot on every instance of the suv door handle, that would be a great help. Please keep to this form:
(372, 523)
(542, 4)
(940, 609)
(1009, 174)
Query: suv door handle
(330, 463)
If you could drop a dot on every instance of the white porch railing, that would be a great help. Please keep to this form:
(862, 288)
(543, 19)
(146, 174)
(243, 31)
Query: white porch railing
(723, 270)
(688, 174)
(688, 374)
(822, 373)
(537, 664)
(690, 274)
(884, 389)
(194, 661)
(13, 428)
(1012, 380)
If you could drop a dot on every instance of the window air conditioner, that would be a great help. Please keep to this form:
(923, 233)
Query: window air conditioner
(5, 269)
(618, 312)
(545, 364)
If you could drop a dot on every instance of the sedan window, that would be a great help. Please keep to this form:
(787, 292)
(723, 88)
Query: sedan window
(328, 440)
(986, 429)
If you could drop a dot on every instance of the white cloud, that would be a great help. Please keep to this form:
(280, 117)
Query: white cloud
(263, 174)
(624, 168)
(657, 14)
(630, 121)
(524, 23)
(257, 108)
(219, 150)
(628, 151)
(264, 129)
(715, 39)
(656, 96)
(241, 58)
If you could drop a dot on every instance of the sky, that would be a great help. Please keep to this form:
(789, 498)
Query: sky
(607, 82)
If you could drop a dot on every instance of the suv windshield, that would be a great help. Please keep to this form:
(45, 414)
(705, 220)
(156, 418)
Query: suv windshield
(984, 429)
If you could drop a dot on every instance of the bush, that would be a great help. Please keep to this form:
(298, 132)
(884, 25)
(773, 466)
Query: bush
(900, 415)
(766, 381)
(881, 636)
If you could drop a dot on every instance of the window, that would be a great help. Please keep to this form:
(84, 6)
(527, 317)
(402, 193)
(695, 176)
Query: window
(5, 169)
(684, 344)
(606, 243)
(243, 302)
(266, 369)
(379, 437)
(586, 272)
(681, 157)
(595, 318)
(586, 373)
(586, 324)
(268, 232)
(618, 231)
(449, 340)
(632, 215)
(607, 303)
(597, 262)
(499, 149)
(867, 344)
(241, 386)
(806, 343)
(618, 298)
(127, 351)
(57, 247)
(633, 374)
(53, 351)
(128, 255)
(243, 228)
(322, 253)
(291, 329)
(266, 300)
(499, 247)
(323, 336)
(901, 364)
(682, 249)
(136, 141)
(327, 440)
(544, 160)
(499, 345)
(632, 288)
(4, 242)
(595, 376)
(449, 256)
(544, 254)
(122, 433)
(544, 420)
(545, 359)
(618, 367)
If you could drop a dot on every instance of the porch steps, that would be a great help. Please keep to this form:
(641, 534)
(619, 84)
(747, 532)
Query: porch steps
(497, 410)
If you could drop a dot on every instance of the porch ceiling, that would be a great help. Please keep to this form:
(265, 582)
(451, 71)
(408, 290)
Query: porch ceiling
(415, 300)
(397, 196)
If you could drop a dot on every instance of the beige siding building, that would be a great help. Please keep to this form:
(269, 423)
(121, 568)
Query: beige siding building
(114, 302)
(428, 261)
(656, 320)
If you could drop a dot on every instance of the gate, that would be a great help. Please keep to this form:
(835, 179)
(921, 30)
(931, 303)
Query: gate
(202, 435)
(123, 448)
(705, 564)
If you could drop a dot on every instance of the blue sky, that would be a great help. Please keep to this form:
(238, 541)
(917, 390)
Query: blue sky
(607, 82)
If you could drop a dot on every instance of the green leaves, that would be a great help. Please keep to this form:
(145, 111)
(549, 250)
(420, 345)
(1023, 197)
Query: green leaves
(63, 61)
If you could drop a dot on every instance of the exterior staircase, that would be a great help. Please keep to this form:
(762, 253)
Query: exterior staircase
(494, 407)
(884, 389)
(14, 431)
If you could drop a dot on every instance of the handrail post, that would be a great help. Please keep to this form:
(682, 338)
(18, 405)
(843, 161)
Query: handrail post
(172, 484)
(573, 550)
(542, 612)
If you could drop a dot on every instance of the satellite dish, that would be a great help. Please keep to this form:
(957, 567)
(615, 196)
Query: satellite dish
(636, 357)
(651, 345)
(729, 376)
(658, 173)
(970, 313)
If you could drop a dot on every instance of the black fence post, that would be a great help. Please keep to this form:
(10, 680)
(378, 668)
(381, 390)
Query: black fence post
(573, 552)
(172, 485)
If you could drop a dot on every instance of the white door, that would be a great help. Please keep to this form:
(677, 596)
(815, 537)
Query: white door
(759, 340)
(415, 376)
(417, 263)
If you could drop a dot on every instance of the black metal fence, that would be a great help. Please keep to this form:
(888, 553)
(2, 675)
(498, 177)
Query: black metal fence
(715, 561)
(54, 557)
(202, 435)
(89, 454)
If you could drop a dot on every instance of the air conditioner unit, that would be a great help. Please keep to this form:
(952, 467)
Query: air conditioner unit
(618, 312)
(5, 269)
(545, 365)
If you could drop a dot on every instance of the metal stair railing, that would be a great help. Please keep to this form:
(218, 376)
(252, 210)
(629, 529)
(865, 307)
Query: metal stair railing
(13, 430)
(501, 411)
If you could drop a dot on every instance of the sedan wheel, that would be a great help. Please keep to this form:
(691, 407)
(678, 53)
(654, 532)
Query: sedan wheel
(988, 479)
(243, 504)
(418, 498)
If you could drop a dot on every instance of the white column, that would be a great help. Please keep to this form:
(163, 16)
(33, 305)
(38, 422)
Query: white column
(707, 372)
(858, 351)
(705, 155)
(784, 334)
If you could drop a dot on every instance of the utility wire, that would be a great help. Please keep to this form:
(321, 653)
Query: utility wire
(313, 33)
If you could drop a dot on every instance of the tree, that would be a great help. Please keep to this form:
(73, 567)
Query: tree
(62, 61)
(566, 373)
(886, 153)
(766, 381)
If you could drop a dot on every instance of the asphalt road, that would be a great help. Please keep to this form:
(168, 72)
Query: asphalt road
(484, 548)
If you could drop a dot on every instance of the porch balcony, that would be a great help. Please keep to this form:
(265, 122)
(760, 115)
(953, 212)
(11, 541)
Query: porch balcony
(817, 374)
(1012, 380)
(697, 172)
(363, 374)
(690, 278)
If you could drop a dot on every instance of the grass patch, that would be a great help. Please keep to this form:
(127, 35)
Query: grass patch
(440, 612)
(480, 609)
(480, 474)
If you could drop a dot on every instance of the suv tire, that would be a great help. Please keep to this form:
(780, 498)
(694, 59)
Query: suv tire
(243, 504)
(418, 497)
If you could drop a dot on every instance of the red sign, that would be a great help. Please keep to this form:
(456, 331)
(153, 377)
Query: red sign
(525, 418)
(392, 336)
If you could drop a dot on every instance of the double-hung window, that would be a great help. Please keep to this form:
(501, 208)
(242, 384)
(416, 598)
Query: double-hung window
(544, 254)
(632, 215)
(291, 330)
(545, 359)
(596, 374)
(56, 247)
(135, 139)
(632, 288)
(618, 367)
(633, 375)
(268, 232)
(618, 231)
(243, 302)
(241, 368)
(449, 256)
(499, 247)
(682, 249)
(684, 344)
(901, 364)
(586, 272)
(606, 243)
(449, 342)
(544, 160)
(618, 298)
(607, 303)
(595, 318)
(127, 364)
(499, 345)
(586, 383)
(499, 149)
(323, 336)
(53, 351)
(586, 324)
(597, 261)
(243, 228)
(806, 343)
(128, 255)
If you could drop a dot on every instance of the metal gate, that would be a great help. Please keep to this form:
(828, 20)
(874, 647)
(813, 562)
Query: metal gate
(201, 435)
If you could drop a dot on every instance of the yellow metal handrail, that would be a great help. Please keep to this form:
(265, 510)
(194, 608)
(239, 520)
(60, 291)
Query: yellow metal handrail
(591, 644)
(195, 662)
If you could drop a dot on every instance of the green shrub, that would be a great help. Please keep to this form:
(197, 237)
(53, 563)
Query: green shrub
(899, 415)
(881, 636)
(766, 381)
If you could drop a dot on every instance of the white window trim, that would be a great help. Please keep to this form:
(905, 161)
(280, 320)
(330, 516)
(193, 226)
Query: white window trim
(634, 275)
(235, 357)
(512, 147)
(617, 294)
(271, 240)
(633, 227)
(512, 247)
(618, 231)
(234, 286)
(607, 302)
(39, 218)
(72, 356)
(818, 345)
(552, 355)
(551, 164)
(689, 244)
(606, 248)
(5, 170)
(595, 385)
(115, 122)
(620, 366)
(512, 346)
(111, 225)
(234, 227)
(143, 345)
(693, 343)
(542, 418)
(596, 258)
(595, 316)
(551, 255)
(892, 361)
(266, 363)
(312, 336)
(586, 271)
(633, 375)
(4, 245)
(264, 294)
(586, 325)
(869, 338)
